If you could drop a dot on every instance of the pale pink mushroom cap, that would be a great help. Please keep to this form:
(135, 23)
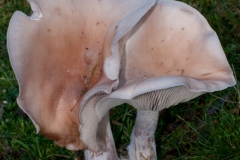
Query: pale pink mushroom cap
(58, 54)
(172, 55)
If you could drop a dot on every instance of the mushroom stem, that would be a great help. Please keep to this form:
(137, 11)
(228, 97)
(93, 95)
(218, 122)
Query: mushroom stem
(142, 146)
(111, 152)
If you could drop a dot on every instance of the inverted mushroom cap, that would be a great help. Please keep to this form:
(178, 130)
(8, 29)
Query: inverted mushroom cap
(174, 39)
(172, 55)
(57, 56)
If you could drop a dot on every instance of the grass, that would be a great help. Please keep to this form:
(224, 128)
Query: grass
(206, 128)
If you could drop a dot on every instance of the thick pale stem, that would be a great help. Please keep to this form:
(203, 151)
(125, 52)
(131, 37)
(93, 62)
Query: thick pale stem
(110, 154)
(142, 146)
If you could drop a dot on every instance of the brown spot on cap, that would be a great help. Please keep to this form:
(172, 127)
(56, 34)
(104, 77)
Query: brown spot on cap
(168, 71)
(186, 10)
(182, 72)
(206, 74)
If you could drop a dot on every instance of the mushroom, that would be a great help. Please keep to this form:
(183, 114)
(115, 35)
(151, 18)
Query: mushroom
(172, 55)
(57, 55)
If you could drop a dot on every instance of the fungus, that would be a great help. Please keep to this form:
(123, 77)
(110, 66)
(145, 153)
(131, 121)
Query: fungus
(56, 70)
(183, 65)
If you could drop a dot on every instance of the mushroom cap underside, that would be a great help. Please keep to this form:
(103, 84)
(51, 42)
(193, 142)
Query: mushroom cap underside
(153, 94)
